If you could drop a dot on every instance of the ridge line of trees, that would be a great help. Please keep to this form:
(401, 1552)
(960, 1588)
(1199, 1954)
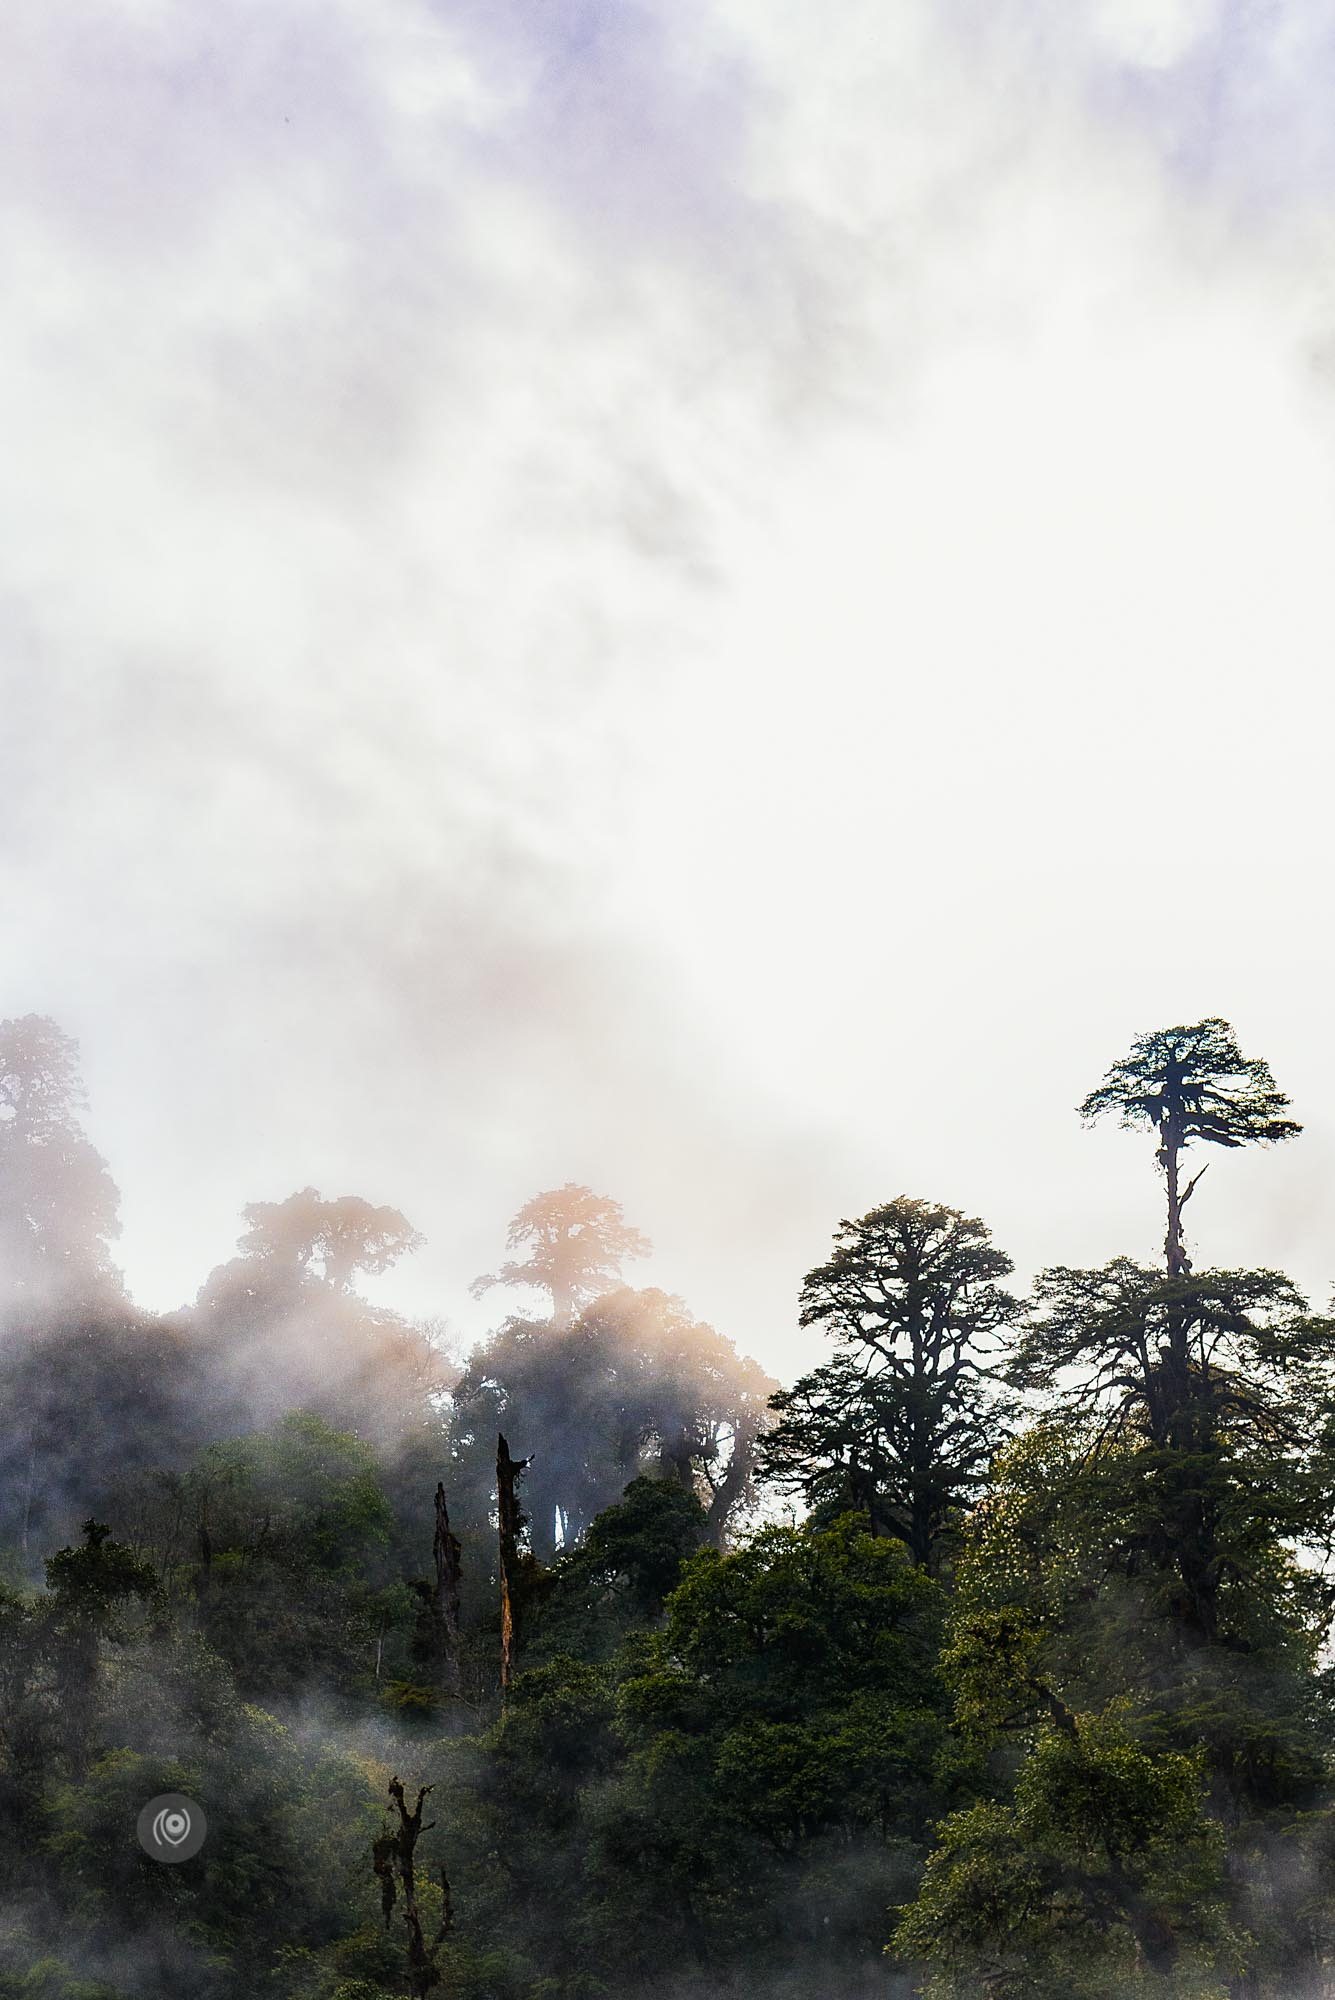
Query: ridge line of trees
(1033, 1702)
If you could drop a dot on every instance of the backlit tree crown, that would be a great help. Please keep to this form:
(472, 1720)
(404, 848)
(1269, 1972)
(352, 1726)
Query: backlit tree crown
(1199, 1078)
(577, 1242)
(1191, 1083)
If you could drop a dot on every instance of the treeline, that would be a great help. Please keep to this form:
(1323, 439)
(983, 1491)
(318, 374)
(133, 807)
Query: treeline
(986, 1660)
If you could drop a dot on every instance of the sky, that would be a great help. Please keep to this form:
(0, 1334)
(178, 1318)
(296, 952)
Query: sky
(713, 599)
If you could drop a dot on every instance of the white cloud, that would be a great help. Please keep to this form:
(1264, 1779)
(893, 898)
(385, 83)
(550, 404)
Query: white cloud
(1155, 33)
(690, 603)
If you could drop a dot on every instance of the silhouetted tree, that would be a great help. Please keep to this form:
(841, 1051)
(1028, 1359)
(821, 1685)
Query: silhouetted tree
(436, 1642)
(511, 1523)
(577, 1242)
(394, 1859)
(1191, 1083)
(902, 1424)
(831, 1441)
(1205, 1380)
(1197, 1392)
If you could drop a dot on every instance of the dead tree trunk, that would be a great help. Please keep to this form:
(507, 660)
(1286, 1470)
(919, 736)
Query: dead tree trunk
(393, 1858)
(1171, 1142)
(445, 1598)
(511, 1521)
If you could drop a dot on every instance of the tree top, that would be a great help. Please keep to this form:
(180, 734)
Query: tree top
(1197, 1080)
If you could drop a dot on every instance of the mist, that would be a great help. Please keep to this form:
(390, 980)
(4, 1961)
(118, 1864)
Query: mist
(704, 610)
(470, 612)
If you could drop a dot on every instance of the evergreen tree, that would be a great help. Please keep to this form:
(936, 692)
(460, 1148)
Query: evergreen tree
(1191, 1084)
(902, 1424)
(1132, 1590)
(1209, 1390)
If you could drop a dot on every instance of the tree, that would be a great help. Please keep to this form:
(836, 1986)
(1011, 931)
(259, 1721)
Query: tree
(89, 1586)
(1141, 1545)
(636, 1384)
(58, 1202)
(290, 1531)
(1105, 1876)
(283, 1327)
(1074, 1673)
(833, 1443)
(619, 1577)
(1191, 1084)
(1199, 1394)
(687, 1406)
(437, 1639)
(1209, 1381)
(725, 1800)
(785, 1734)
(394, 1858)
(642, 1542)
(902, 1424)
(577, 1242)
(330, 1239)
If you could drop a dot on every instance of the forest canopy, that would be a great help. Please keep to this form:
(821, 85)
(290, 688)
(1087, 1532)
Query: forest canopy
(987, 1660)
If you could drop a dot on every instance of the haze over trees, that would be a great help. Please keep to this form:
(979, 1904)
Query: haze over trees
(58, 1203)
(576, 1241)
(634, 1385)
(987, 1661)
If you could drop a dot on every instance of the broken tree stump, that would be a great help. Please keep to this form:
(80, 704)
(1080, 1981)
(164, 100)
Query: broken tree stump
(393, 1857)
(512, 1522)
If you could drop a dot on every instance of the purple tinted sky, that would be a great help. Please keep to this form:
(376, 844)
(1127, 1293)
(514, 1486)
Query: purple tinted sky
(1234, 94)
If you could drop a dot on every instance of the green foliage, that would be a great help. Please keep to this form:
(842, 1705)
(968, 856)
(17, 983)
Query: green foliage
(88, 1583)
(302, 1488)
(619, 1577)
(643, 1541)
(1049, 1699)
(902, 1424)
(790, 1709)
(291, 1586)
(792, 1613)
(635, 1386)
(1104, 1876)
(284, 1860)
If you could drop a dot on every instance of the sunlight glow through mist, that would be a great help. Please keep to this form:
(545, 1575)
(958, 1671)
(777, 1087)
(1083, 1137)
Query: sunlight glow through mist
(666, 599)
